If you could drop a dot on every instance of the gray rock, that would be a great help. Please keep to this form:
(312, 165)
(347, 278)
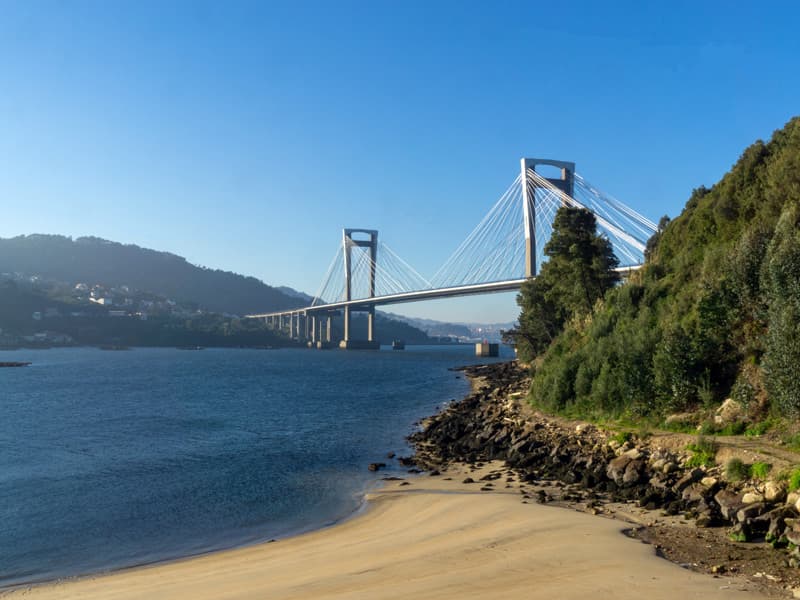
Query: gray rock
(633, 472)
(704, 520)
(729, 411)
(633, 453)
(616, 468)
(709, 482)
(793, 536)
(750, 511)
(694, 493)
(752, 497)
(729, 503)
(688, 479)
(774, 491)
(659, 482)
(669, 467)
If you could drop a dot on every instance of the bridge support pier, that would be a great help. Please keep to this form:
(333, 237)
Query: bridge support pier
(565, 183)
(348, 343)
(371, 244)
(318, 330)
(346, 325)
(297, 326)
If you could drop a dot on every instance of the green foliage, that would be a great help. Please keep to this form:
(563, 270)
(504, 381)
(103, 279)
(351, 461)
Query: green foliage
(737, 536)
(622, 436)
(581, 263)
(734, 428)
(712, 314)
(758, 429)
(760, 470)
(708, 428)
(673, 364)
(793, 441)
(578, 272)
(736, 470)
(703, 452)
(679, 427)
(539, 321)
(794, 480)
(652, 243)
(781, 275)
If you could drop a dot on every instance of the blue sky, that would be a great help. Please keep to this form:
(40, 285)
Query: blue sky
(245, 135)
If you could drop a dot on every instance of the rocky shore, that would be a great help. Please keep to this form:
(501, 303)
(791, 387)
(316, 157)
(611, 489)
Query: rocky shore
(682, 501)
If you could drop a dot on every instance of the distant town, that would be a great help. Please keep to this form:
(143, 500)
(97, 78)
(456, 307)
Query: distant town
(49, 313)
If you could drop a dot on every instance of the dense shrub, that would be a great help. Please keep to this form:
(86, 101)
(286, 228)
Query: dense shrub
(714, 311)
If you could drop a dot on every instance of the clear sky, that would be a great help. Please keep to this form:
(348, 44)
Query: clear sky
(245, 135)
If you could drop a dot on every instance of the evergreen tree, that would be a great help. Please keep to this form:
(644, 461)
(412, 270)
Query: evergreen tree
(578, 272)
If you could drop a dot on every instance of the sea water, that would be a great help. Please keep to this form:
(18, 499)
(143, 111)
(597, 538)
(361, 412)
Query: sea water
(111, 459)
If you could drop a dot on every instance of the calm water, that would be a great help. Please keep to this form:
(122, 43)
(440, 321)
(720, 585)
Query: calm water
(113, 459)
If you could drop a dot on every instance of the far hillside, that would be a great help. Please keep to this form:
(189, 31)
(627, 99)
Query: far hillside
(101, 264)
(93, 260)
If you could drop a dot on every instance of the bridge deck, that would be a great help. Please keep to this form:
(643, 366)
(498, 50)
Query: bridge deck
(416, 296)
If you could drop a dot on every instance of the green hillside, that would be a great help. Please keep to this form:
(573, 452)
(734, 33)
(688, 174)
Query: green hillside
(96, 261)
(713, 313)
(57, 263)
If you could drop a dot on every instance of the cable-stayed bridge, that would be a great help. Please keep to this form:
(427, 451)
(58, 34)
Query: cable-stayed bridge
(504, 249)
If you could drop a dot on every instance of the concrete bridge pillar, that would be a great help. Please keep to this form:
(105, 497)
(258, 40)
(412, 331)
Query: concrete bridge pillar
(566, 183)
(346, 335)
(371, 244)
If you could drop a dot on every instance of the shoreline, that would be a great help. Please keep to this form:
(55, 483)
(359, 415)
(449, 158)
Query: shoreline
(362, 506)
(428, 536)
(332, 500)
(691, 512)
(460, 507)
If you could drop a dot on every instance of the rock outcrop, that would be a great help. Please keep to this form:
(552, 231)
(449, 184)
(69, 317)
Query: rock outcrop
(493, 423)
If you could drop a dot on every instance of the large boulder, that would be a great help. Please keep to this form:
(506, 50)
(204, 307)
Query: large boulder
(616, 468)
(729, 412)
(729, 503)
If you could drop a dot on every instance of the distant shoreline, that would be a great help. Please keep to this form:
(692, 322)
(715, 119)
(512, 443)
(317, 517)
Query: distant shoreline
(233, 347)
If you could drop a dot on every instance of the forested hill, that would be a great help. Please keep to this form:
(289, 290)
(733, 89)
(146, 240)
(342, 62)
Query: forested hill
(715, 312)
(93, 260)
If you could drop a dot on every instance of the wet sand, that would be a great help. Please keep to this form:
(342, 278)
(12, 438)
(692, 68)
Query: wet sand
(431, 538)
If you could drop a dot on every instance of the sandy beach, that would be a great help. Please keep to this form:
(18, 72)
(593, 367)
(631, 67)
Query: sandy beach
(430, 538)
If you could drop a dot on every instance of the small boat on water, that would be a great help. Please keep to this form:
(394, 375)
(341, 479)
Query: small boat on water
(190, 347)
(114, 347)
(398, 345)
(14, 364)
